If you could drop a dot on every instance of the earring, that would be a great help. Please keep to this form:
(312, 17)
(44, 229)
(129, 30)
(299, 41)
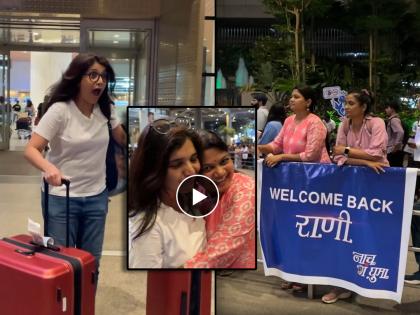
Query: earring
(307, 108)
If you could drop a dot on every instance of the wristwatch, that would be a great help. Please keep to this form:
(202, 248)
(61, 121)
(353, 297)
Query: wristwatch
(346, 151)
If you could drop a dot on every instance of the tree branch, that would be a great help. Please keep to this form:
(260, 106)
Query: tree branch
(307, 4)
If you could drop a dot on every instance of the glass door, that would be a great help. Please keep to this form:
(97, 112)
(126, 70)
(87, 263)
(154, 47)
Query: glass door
(128, 46)
(5, 107)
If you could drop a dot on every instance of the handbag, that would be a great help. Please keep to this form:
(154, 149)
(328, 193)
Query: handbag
(116, 180)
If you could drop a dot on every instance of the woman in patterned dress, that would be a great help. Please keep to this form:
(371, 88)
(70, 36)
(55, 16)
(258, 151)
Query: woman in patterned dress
(231, 226)
(302, 138)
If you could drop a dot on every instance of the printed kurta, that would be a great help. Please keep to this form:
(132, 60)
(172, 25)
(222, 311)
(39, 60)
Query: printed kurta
(230, 229)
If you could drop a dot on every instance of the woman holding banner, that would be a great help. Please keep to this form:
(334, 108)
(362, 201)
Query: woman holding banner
(302, 138)
(361, 140)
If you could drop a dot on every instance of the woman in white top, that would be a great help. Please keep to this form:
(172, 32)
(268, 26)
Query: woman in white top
(75, 126)
(161, 235)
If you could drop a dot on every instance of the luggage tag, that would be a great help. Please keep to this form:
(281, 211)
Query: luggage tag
(34, 229)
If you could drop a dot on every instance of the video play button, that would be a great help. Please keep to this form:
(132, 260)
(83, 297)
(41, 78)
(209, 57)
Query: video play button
(197, 196)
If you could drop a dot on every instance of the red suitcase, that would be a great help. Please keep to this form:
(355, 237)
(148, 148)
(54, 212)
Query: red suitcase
(180, 292)
(35, 280)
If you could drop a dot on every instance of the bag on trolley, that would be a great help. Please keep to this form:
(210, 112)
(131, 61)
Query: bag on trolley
(38, 280)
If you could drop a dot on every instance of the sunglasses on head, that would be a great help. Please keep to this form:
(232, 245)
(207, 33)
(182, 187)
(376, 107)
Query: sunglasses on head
(163, 126)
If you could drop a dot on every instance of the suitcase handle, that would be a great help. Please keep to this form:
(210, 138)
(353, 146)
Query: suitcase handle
(66, 182)
(25, 252)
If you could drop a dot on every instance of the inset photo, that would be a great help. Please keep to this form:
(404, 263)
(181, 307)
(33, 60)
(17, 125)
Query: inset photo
(191, 188)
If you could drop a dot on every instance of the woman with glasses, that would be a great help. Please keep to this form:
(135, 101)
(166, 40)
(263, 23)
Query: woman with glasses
(231, 226)
(160, 234)
(75, 125)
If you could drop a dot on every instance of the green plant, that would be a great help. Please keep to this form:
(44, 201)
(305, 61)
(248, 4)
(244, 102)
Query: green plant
(226, 131)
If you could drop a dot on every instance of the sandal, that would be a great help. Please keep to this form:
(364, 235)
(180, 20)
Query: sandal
(286, 285)
(299, 287)
(335, 295)
(296, 287)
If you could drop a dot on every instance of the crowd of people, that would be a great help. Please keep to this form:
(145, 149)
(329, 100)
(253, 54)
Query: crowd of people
(243, 155)
(160, 234)
(18, 118)
(362, 139)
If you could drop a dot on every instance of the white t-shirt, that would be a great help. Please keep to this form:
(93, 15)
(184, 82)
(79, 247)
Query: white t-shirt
(244, 151)
(416, 140)
(172, 240)
(262, 115)
(78, 146)
(330, 125)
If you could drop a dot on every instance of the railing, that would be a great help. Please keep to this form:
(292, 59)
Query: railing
(331, 42)
(243, 35)
(240, 163)
(326, 42)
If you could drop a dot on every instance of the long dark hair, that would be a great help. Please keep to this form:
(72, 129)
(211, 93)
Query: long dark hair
(68, 87)
(277, 112)
(148, 169)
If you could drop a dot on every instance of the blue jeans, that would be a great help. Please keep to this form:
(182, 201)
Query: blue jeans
(87, 221)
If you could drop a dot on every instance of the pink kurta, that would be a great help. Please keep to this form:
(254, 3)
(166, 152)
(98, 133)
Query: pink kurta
(230, 229)
(372, 138)
(307, 138)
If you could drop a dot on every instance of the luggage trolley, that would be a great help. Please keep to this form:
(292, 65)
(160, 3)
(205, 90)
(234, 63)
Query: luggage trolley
(23, 126)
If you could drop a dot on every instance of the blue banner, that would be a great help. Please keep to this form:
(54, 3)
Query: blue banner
(345, 226)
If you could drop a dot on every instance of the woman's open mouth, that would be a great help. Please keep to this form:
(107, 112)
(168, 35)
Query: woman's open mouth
(97, 91)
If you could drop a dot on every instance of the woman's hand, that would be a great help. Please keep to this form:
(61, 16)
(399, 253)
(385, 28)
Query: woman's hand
(378, 167)
(272, 160)
(53, 176)
(264, 149)
(338, 150)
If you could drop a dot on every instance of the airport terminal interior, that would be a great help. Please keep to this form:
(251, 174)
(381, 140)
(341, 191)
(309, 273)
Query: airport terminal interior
(158, 51)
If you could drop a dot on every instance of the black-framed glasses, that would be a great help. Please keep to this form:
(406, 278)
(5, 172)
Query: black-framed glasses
(163, 126)
(94, 76)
